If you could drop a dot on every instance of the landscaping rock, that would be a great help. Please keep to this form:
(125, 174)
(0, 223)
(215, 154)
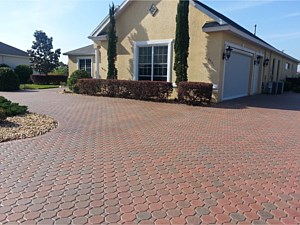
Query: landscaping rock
(25, 126)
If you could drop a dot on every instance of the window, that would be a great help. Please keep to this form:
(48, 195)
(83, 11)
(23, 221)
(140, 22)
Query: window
(153, 63)
(152, 60)
(85, 64)
(287, 66)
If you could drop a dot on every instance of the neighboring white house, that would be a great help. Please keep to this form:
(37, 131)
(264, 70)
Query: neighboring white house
(13, 56)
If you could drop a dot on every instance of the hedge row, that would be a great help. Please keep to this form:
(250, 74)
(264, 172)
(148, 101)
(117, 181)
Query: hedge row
(49, 79)
(143, 90)
(194, 93)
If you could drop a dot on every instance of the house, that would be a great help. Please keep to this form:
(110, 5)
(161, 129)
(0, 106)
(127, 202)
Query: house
(82, 58)
(12, 56)
(221, 52)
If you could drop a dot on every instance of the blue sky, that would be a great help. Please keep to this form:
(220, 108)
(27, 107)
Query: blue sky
(69, 22)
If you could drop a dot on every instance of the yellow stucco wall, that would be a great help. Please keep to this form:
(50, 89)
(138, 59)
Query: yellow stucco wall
(135, 23)
(73, 63)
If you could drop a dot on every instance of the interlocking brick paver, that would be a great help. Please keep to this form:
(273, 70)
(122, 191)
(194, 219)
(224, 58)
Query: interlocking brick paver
(121, 161)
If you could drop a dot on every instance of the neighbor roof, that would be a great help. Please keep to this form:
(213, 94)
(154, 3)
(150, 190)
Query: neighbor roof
(9, 50)
(87, 50)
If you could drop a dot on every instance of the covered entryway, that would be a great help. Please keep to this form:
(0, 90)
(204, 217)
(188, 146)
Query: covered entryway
(236, 76)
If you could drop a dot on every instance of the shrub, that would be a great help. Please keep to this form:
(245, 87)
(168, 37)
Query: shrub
(9, 80)
(288, 86)
(2, 114)
(24, 72)
(11, 109)
(195, 93)
(48, 79)
(296, 89)
(4, 65)
(143, 90)
(78, 74)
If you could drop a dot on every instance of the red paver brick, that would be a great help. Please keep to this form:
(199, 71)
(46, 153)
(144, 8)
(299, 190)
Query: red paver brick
(177, 220)
(208, 219)
(107, 155)
(128, 217)
(223, 218)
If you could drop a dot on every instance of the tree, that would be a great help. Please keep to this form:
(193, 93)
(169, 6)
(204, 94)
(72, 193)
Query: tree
(182, 40)
(42, 58)
(23, 72)
(62, 69)
(112, 72)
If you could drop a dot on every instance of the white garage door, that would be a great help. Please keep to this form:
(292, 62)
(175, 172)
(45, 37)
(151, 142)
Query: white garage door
(237, 72)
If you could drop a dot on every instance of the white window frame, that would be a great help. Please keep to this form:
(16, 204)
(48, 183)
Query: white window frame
(137, 44)
(91, 58)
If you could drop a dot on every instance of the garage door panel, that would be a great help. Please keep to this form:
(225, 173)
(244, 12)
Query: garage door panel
(236, 80)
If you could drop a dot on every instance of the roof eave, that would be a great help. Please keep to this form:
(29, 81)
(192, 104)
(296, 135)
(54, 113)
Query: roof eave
(103, 24)
(10, 55)
(247, 37)
(208, 13)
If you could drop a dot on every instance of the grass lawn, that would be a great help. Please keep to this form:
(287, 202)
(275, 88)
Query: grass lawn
(37, 86)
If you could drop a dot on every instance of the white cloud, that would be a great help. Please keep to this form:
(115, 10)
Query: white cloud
(282, 37)
(243, 5)
(290, 15)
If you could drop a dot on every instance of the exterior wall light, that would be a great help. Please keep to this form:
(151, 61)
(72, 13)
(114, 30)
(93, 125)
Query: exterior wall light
(227, 53)
(266, 62)
(257, 60)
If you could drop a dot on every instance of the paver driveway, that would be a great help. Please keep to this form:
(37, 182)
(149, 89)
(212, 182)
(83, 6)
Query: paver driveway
(126, 161)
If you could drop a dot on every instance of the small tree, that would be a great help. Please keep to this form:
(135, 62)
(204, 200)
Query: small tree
(24, 72)
(112, 72)
(42, 58)
(62, 69)
(182, 40)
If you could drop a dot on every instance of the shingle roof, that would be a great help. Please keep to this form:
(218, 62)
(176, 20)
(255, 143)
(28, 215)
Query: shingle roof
(87, 50)
(228, 21)
(9, 50)
(236, 26)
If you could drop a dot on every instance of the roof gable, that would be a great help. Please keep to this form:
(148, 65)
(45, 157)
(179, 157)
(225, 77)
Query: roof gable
(9, 50)
(219, 21)
(87, 50)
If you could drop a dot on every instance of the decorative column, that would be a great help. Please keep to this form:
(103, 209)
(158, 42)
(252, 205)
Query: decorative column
(97, 61)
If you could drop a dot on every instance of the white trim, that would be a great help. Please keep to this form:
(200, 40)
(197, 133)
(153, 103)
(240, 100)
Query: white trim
(208, 13)
(138, 44)
(82, 57)
(17, 56)
(105, 21)
(99, 38)
(97, 63)
(247, 37)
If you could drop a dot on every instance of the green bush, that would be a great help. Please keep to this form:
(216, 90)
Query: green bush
(2, 114)
(9, 80)
(4, 65)
(24, 72)
(78, 74)
(288, 86)
(296, 89)
(10, 108)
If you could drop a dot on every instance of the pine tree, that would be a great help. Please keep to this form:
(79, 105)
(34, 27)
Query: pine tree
(42, 58)
(182, 41)
(112, 72)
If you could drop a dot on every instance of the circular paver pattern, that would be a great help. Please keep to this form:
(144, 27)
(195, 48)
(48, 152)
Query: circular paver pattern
(124, 161)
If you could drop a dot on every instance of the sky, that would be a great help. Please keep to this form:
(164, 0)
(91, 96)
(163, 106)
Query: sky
(70, 22)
